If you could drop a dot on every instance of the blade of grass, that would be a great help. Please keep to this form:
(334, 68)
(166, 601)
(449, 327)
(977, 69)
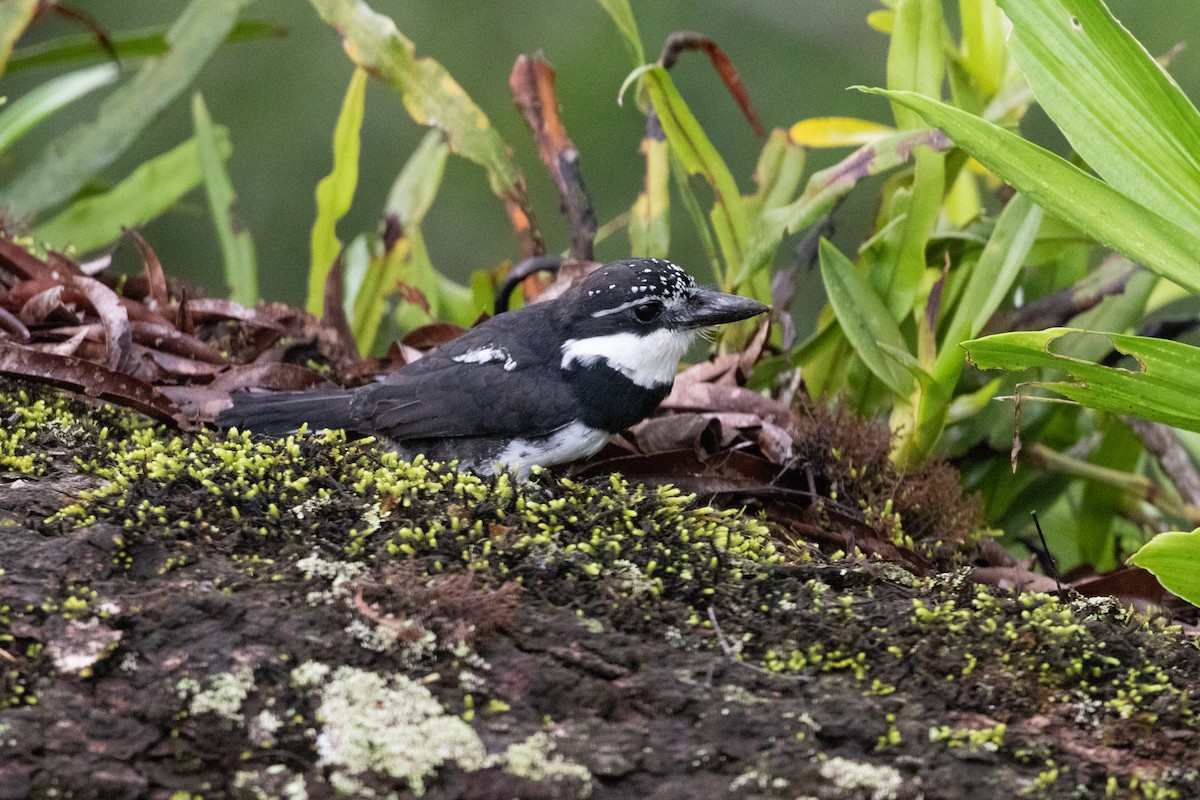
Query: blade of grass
(39, 103)
(1089, 204)
(237, 247)
(335, 192)
(915, 56)
(72, 159)
(148, 191)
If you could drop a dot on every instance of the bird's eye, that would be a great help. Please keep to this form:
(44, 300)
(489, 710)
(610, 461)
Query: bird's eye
(648, 312)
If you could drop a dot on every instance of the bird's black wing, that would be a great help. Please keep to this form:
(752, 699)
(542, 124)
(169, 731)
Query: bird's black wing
(495, 380)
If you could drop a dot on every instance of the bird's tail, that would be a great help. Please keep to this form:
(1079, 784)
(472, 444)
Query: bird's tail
(280, 413)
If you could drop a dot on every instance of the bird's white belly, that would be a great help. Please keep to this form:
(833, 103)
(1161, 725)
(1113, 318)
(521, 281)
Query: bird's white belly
(568, 443)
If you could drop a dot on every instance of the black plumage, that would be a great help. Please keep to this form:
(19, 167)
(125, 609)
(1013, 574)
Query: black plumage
(543, 384)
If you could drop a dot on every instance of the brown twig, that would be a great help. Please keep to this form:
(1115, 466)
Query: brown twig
(532, 84)
(1163, 443)
(1055, 309)
(333, 313)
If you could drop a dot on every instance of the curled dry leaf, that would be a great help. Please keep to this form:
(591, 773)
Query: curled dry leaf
(88, 378)
(157, 298)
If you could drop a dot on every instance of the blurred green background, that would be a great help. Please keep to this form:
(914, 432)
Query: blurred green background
(279, 98)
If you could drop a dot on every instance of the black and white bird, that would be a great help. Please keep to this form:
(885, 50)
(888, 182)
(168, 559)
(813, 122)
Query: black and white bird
(545, 384)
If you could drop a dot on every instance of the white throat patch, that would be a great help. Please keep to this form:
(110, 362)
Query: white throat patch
(649, 361)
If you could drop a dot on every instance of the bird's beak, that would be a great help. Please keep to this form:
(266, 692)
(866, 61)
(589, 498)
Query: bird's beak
(708, 307)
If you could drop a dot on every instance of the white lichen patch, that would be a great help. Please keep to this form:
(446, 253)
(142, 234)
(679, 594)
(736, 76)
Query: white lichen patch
(82, 644)
(342, 575)
(882, 782)
(222, 694)
(263, 727)
(391, 726)
(408, 639)
(394, 726)
(534, 759)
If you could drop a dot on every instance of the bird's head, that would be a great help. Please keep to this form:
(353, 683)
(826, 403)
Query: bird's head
(641, 315)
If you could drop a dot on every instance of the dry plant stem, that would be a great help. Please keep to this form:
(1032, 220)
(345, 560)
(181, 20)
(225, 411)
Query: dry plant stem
(1059, 307)
(686, 40)
(1137, 487)
(532, 84)
(1163, 443)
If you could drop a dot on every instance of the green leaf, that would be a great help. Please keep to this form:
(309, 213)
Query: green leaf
(1101, 502)
(1174, 558)
(622, 17)
(989, 282)
(127, 44)
(15, 16)
(237, 248)
(23, 114)
(1163, 388)
(864, 319)
(335, 192)
(915, 56)
(697, 156)
(407, 261)
(650, 217)
(148, 191)
(1117, 106)
(430, 95)
(778, 173)
(826, 187)
(1089, 204)
(983, 53)
(72, 159)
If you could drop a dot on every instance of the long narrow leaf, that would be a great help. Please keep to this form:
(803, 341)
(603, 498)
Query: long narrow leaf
(148, 191)
(1062, 188)
(1117, 106)
(915, 61)
(237, 248)
(335, 192)
(991, 278)
(864, 319)
(70, 161)
(126, 44)
(622, 17)
(650, 217)
(23, 114)
(432, 97)
(408, 201)
(1163, 388)
(828, 186)
(697, 156)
